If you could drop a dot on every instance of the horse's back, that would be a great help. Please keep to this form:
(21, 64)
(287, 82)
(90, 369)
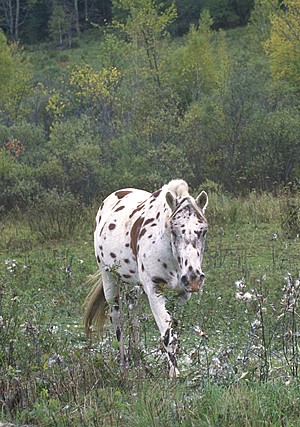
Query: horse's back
(120, 204)
(112, 237)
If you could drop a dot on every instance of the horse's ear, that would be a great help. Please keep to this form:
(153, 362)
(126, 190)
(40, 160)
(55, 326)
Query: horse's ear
(202, 200)
(171, 200)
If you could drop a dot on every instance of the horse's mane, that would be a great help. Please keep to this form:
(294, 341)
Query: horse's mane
(178, 187)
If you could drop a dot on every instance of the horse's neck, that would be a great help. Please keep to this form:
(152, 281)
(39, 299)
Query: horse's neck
(163, 232)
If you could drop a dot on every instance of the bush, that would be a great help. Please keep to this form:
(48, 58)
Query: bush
(290, 211)
(17, 183)
(55, 216)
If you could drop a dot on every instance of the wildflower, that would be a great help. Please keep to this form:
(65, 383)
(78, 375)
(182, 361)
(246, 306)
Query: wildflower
(256, 324)
(216, 362)
(11, 265)
(240, 284)
(53, 329)
(247, 296)
(68, 271)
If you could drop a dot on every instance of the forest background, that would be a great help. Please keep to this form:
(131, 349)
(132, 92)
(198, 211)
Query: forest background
(96, 95)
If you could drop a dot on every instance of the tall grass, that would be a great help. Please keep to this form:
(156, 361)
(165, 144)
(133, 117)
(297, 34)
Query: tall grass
(238, 342)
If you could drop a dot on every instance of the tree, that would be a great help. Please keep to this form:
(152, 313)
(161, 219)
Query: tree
(6, 65)
(199, 65)
(58, 25)
(259, 26)
(283, 45)
(14, 80)
(146, 24)
(13, 14)
(36, 28)
(228, 13)
(188, 13)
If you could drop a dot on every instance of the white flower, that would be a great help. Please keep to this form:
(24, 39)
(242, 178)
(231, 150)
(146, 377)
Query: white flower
(53, 329)
(256, 324)
(243, 297)
(240, 284)
(216, 362)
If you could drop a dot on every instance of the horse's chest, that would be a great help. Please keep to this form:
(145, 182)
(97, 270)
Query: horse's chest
(157, 261)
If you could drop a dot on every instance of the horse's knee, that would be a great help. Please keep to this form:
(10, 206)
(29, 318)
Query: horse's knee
(170, 340)
(170, 343)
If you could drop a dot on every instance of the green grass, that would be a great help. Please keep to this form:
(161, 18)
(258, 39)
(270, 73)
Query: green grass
(233, 374)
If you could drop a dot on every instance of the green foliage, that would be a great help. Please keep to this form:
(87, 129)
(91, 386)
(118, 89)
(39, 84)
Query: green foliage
(6, 65)
(259, 22)
(55, 215)
(17, 183)
(58, 25)
(145, 26)
(290, 211)
(137, 108)
(200, 66)
(228, 13)
(17, 87)
(283, 44)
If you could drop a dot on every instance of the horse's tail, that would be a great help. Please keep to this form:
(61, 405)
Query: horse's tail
(95, 305)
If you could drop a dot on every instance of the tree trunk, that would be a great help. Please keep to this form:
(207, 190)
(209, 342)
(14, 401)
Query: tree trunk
(76, 16)
(17, 18)
(10, 19)
(86, 9)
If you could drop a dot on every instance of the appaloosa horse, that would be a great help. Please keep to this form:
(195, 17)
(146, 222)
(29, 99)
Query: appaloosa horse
(151, 239)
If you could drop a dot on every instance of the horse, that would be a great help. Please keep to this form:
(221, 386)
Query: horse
(152, 239)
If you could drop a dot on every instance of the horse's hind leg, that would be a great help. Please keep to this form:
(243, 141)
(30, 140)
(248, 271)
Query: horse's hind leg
(112, 296)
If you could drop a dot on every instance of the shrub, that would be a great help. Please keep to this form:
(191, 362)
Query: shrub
(55, 215)
(17, 183)
(290, 211)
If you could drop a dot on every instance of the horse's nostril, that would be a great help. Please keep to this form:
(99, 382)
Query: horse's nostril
(202, 277)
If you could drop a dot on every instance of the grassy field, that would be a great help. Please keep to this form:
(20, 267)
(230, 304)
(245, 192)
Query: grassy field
(239, 341)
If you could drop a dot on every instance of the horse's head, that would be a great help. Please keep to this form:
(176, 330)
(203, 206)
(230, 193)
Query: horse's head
(188, 228)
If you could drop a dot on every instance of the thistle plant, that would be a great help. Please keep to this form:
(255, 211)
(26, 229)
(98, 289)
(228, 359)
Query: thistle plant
(289, 315)
(274, 331)
(260, 339)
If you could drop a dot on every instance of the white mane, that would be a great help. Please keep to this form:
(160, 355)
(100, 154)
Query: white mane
(178, 187)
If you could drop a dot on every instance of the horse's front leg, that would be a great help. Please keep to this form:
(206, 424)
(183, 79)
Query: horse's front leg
(164, 322)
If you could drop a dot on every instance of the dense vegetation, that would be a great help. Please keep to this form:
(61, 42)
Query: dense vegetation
(34, 21)
(132, 106)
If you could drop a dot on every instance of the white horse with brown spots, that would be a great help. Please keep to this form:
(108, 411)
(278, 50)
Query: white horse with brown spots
(151, 239)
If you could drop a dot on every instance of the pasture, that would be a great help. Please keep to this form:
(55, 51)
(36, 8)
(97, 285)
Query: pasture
(239, 340)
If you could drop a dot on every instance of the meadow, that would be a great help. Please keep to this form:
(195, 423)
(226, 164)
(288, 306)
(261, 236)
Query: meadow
(239, 340)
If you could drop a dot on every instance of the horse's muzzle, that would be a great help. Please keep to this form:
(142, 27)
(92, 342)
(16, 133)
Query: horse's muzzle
(193, 283)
